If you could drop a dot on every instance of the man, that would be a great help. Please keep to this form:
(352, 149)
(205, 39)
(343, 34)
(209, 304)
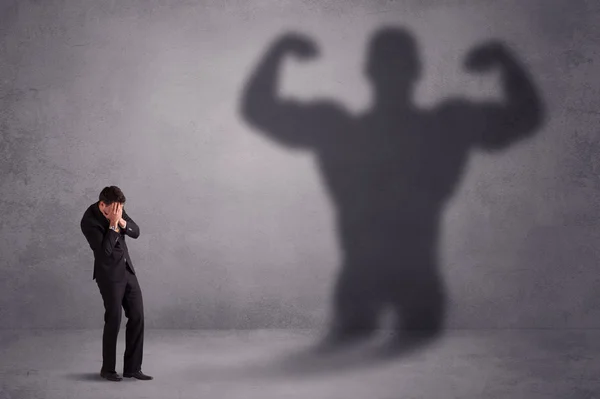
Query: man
(105, 224)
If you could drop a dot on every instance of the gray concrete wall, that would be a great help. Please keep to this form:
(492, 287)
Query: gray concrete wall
(236, 230)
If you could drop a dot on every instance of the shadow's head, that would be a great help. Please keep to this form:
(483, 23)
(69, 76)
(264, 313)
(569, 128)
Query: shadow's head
(393, 65)
(109, 196)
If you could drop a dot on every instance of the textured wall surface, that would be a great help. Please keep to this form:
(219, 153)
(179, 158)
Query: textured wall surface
(238, 231)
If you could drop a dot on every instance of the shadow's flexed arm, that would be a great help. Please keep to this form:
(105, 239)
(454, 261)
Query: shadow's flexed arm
(286, 121)
(496, 125)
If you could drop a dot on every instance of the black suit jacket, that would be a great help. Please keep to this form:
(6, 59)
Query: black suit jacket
(111, 256)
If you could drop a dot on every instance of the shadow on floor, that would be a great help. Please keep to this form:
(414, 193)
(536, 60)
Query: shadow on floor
(325, 360)
(313, 361)
(84, 377)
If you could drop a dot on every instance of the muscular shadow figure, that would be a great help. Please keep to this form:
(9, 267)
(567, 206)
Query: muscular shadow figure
(390, 171)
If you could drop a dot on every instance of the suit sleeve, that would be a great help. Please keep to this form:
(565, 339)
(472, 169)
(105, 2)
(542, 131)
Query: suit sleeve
(101, 244)
(132, 229)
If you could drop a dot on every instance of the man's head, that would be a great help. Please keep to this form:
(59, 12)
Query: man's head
(393, 64)
(108, 196)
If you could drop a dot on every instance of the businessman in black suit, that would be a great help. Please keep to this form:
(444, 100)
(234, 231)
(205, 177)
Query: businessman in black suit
(105, 225)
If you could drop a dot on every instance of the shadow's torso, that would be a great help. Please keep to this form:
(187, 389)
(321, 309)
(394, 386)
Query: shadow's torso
(389, 177)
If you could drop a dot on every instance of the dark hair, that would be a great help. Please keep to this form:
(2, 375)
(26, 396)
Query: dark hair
(112, 194)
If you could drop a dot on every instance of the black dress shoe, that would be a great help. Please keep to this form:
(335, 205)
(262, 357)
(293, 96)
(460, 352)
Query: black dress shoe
(137, 375)
(110, 376)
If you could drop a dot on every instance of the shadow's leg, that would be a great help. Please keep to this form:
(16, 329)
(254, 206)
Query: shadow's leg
(357, 305)
(419, 302)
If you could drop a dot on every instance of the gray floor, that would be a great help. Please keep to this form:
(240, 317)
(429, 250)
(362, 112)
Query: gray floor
(281, 364)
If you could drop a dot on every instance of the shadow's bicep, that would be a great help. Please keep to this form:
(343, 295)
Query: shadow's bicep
(487, 125)
(296, 124)
(499, 126)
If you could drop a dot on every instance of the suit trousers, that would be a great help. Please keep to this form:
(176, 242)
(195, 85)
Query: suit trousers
(125, 294)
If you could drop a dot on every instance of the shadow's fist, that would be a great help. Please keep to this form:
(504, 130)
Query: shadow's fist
(299, 45)
(485, 57)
